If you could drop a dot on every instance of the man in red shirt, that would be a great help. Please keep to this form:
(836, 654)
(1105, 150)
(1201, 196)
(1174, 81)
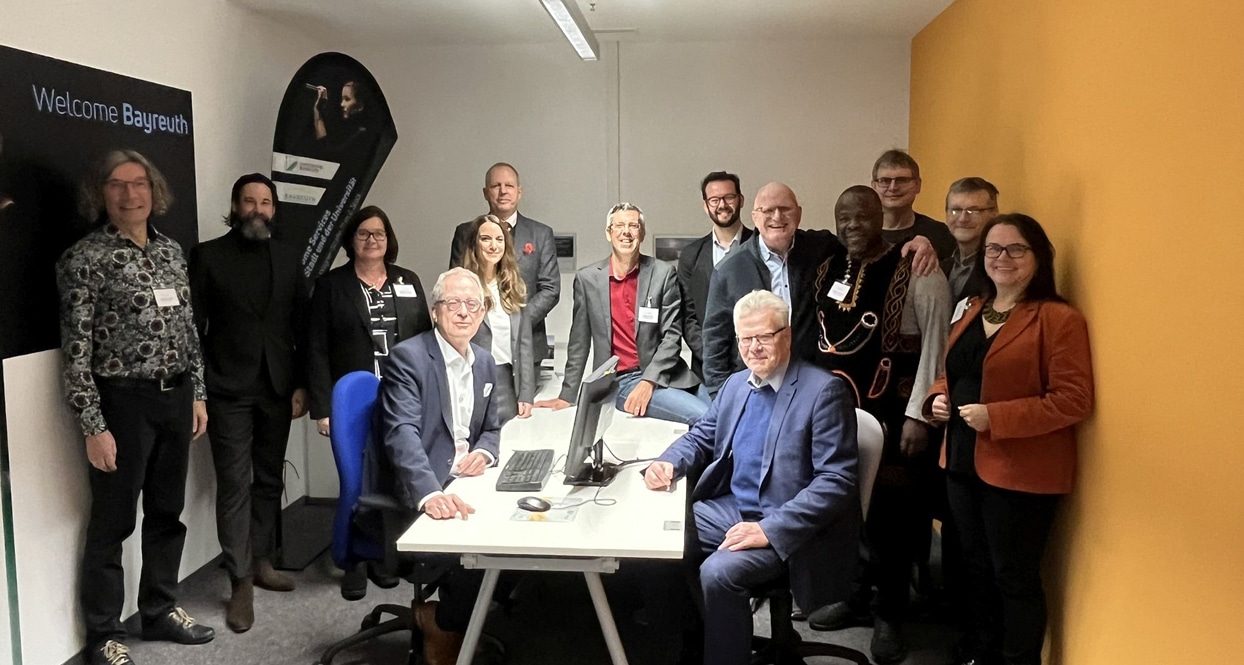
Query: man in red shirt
(628, 306)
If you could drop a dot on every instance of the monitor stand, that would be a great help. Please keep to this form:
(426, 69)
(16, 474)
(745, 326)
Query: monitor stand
(597, 473)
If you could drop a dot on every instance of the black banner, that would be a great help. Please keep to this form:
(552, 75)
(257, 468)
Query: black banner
(333, 134)
(56, 120)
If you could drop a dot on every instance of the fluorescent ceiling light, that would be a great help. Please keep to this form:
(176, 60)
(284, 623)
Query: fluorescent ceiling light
(570, 20)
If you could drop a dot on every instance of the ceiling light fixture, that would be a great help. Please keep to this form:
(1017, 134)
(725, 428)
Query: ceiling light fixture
(570, 21)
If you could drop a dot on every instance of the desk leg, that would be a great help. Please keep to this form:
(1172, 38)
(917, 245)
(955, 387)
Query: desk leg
(478, 615)
(607, 626)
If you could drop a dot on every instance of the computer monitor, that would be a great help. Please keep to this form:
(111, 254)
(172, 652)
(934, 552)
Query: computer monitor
(585, 464)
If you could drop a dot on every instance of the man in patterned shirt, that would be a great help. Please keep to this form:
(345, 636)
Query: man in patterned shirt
(133, 376)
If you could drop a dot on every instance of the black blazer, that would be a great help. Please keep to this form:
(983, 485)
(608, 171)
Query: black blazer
(745, 272)
(240, 337)
(695, 268)
(340, 330)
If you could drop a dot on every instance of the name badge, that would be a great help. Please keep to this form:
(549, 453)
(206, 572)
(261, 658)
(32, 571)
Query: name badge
(405, 291)
(166, 297)
(649, 315)
(487, 389)
(839, 291)
(960, 308)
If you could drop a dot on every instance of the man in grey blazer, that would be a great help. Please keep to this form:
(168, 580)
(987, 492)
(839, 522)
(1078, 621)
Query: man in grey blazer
(533, 247)
(628, 306)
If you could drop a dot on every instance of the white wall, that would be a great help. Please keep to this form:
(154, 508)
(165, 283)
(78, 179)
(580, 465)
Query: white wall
(236, 65)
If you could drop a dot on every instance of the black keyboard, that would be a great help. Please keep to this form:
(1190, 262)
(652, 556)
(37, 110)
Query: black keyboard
(526, 471)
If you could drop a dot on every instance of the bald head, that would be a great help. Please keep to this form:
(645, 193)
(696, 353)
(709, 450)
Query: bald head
(858, 215)
(776, 215)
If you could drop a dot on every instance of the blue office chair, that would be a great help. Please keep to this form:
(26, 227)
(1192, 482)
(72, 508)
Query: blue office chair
(354, 398)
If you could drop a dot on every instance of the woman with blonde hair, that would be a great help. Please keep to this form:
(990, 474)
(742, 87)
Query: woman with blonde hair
(506, 329)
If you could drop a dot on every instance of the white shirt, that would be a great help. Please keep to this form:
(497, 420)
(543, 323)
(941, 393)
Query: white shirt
(774, 381)
(721, 251)
(461, 374)
(512, 219)
(779, 276)
(499, 324)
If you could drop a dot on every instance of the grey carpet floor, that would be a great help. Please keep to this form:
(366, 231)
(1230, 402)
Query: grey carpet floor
(551, 621)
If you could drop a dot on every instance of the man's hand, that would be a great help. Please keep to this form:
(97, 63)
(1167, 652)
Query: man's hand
(941, 410)
(637, 401)
(745, 536)
(472, 465)
(659, 475)
(554, 404)
(524, 409)
(446, 507)
(101, 450)
(976, 416)
(200, 418)
(298, 404)
(924, 261)
(323, 426)
(914, 439)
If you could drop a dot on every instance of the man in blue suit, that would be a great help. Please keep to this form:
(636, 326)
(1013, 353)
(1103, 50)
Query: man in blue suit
(778, 454)
(435, 421)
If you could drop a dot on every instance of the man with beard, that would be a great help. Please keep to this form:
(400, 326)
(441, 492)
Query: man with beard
(250, 302)
(722, 202)
(883, 329)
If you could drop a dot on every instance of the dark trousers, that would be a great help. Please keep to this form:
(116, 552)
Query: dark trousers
(1004, 534)
(249, 436)
(895, 525)
(726, 581)
(152, 430)
(505, 396)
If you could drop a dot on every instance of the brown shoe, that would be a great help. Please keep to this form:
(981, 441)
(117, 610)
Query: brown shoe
(440, 647)
(240, 614)
(267, 577)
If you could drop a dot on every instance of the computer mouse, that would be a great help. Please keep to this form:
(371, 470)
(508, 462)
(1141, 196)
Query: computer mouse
(534, 504)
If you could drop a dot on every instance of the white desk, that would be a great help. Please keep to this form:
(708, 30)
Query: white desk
(642, 524)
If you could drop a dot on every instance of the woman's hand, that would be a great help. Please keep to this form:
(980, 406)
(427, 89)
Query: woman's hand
(940, 410)
(524, 409)
(976, 416)
(322, 427)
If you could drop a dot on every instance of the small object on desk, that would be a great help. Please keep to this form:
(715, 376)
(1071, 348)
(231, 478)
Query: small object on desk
(526, 471)
(534, 504)
(563, 509)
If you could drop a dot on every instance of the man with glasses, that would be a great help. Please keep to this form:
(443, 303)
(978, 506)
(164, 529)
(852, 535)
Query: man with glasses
(884, 330)
(723, 202)
(133, 376)
(970, 204)
(420, 451)
(250, 305)
(779, 484)
(896, 179)
(628, 306)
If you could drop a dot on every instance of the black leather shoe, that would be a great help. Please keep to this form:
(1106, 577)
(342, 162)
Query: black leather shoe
(381, 577)
(838, 616)
(177, 626)
(887, 645)
(111, 652)
(354, 583)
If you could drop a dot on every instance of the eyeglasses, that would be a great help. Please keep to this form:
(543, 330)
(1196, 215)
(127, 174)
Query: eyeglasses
(969, 212)
(764, 339)
(454, 304)
(364, 235)
(633, 227)
(785, 212)
(885, 183)
(714, 201)
(1015, 250)
(140, 185)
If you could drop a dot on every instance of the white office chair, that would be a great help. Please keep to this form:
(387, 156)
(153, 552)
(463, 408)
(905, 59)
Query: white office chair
(785, 645)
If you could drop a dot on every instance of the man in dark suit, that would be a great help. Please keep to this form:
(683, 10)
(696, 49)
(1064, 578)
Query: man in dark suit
(627, 306)
(250, 305)
(779, 484)
(533, 246)
(971, 203)
(436, 419)
(722, 202)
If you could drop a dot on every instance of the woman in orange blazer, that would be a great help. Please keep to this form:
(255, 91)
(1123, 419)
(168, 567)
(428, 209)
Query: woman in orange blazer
(1018, 379)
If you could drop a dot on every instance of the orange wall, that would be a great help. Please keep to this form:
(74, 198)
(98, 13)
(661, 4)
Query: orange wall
(1118, 125)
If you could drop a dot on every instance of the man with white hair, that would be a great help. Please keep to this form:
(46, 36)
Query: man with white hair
(419, 452)
(779, 484)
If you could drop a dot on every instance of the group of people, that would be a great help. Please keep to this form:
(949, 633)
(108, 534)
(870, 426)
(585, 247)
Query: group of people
(789, 331)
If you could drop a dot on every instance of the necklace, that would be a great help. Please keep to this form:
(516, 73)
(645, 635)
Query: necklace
(993, 316)
(373, 284)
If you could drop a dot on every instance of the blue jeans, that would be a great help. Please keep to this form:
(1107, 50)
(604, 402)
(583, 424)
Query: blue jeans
(673, 404)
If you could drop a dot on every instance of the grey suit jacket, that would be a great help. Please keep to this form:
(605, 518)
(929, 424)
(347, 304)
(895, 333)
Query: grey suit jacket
(659, 344)
(520, 349)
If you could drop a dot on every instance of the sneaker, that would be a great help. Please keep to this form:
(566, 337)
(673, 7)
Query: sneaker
(838, 616)
(887, 645)
(177, 626)
(111, 652)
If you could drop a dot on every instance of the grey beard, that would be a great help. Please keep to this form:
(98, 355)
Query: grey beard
(255, 227)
